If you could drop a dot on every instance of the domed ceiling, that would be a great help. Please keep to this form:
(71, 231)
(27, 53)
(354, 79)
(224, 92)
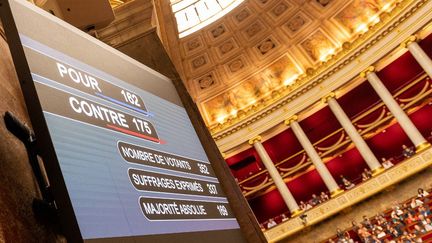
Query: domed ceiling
(263, 46)
(238, 57)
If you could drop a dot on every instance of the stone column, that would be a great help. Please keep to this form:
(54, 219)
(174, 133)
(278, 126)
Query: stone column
(407, 125)
(352, 132)
(419, 54)
(313, 155)
(277, 179)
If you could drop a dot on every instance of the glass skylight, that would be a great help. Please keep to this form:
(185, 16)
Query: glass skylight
(193, 15)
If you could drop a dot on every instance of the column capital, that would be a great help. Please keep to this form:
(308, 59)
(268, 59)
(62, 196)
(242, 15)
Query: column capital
(290, 120)
(409, 40)
(331, 95)
(368, 70)
(255, 139)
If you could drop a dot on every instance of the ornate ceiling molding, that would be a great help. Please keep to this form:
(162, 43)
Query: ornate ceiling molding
(234, 66)
(409, 17)
(311, 78)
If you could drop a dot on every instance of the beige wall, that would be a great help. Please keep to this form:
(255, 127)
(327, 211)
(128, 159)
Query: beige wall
(17, 184)
(378, 203)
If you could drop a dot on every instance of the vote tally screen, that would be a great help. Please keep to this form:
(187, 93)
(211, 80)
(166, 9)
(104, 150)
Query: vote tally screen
(130, 158)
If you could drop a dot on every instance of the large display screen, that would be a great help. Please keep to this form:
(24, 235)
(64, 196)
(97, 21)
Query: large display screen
(128, 157)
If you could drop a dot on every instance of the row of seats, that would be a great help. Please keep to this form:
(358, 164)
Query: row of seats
(405, 222)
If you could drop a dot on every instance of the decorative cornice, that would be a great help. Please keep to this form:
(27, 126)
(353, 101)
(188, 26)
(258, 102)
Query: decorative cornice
(290, 120)
(255, 139)
(368, 70)
(331, 95)
(409, 40)
(308, 82)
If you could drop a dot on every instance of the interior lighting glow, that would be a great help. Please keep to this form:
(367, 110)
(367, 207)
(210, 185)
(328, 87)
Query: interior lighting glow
(362, 28)
(291, 79)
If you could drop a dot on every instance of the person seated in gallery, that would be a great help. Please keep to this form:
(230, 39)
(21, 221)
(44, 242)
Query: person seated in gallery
(364, 234)
(284, 217)
(367, 223)
(271, 223)
(343, 237)
(355, 226)
(339, 233)
(305, 206)
(427, 224)
(424, 210)
(392, 231)
(410, 237)
(365, 176)
(396, 215)
(399, 226)
(368, 172)
(407, 152)
(408, 209)
(422, 193)
(381, 220)
(415, 202)
(346, 183)
(411, 219)
(315, 200)
(374, 239)
(422, 220)
(324, 197)
(418, 229)
(386, 163)
(378, 231)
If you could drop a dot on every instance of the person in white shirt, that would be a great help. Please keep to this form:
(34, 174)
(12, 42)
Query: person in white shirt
(427, 224)
(386, 163)
(284, 217)
(305, 206)
(422, 193)
(271, 223)
(347, 184)
(415, 203)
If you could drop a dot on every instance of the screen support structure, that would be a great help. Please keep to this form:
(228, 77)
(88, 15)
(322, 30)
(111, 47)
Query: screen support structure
(43, 208)
(39, 125)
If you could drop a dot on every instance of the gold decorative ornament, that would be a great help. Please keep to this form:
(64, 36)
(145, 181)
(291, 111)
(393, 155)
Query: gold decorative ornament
(423, 146)
(336, 192)
(290, 120)
(377, 171)
(255, 139)
(408, 41)
(296, 213)
(368, 70)
(326, 98)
